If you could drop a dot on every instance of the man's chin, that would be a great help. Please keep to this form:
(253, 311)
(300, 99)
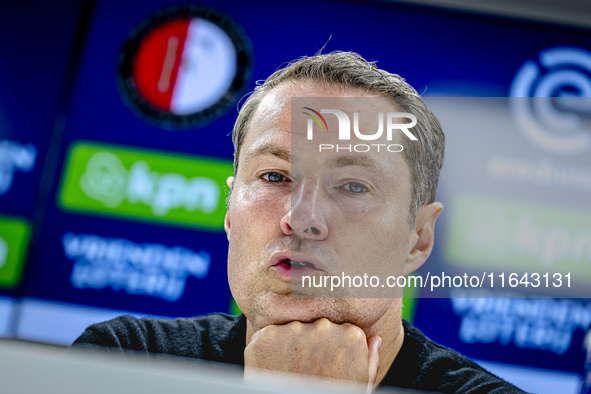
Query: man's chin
(283, 308)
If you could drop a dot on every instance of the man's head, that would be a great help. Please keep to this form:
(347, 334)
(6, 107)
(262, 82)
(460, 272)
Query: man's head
(332, 212)
(349, 71)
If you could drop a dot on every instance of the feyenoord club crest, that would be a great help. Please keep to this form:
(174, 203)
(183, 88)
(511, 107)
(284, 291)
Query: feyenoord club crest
(182, 67)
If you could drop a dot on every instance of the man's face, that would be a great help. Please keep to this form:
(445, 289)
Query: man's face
(344, 212)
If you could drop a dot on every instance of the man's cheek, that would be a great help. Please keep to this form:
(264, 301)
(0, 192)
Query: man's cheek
(263, 214)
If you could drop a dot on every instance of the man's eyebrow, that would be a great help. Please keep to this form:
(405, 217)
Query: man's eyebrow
(268, 149)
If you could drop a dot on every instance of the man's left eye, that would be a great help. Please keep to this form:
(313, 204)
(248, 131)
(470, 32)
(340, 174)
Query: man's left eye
(355, 187)
(274, 177)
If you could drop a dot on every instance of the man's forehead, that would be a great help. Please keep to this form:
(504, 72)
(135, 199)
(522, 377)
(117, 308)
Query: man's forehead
(274, 112)
(271, 132)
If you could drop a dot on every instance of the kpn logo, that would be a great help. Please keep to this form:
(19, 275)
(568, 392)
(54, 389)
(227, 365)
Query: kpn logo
(145, 185)
(344, 134)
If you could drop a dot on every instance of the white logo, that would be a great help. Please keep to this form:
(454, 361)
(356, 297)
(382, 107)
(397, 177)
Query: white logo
(345, 129)
(150, 269)
(560, 86)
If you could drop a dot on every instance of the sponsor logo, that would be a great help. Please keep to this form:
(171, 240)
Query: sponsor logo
(527, 323)
(511, 235)
(145, 185)
(141, 269)
(3, 252)
(14, 240)
(182, 67)
(557, 117)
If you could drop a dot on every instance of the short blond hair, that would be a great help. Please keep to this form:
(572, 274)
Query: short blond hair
(350, 70)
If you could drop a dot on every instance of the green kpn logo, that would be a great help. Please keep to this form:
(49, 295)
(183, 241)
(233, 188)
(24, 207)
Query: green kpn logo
(518, 236)
(145, 185)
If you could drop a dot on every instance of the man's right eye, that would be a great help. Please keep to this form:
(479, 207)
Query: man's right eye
(275, 177)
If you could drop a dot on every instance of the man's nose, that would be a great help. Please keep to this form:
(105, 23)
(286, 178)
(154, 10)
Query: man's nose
(306, 219)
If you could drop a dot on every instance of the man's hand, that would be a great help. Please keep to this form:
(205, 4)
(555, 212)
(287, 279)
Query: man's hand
(321, 348)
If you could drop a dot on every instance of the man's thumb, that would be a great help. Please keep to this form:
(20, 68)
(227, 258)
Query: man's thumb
(374, 344)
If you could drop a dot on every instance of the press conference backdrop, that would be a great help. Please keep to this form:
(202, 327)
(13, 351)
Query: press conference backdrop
(115, 143)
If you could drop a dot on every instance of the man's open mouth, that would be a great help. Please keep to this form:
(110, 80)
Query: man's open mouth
(297, 264)
(289, 268)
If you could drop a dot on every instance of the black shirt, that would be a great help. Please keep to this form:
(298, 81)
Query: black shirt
(420, 364)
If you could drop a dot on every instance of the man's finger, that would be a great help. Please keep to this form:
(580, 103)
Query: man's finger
(374, 344)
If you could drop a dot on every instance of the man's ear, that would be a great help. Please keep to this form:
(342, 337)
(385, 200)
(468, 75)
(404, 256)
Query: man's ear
(229, 182)
(423, 236)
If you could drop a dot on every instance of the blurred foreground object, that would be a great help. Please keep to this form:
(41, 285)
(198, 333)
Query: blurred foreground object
(33, 368)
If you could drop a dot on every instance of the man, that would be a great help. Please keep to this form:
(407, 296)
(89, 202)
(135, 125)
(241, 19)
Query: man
(295, 211)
